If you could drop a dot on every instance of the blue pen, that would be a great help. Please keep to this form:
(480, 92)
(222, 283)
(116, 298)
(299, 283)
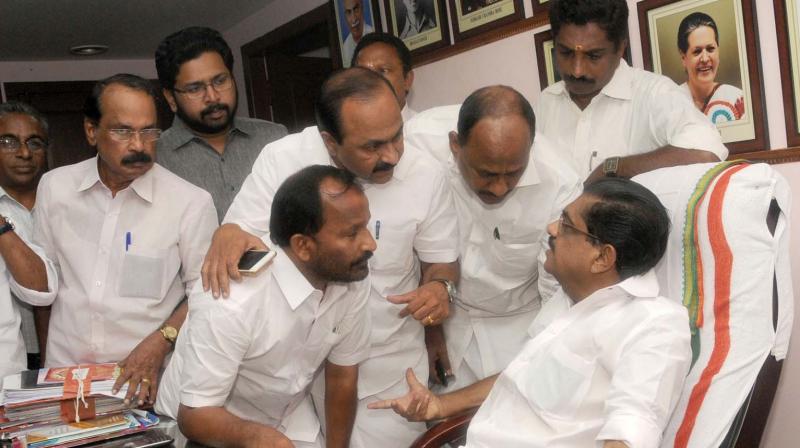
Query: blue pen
(127, 240)
(378, 229)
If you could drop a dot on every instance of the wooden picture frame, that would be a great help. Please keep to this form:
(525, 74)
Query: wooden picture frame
(787, 25)
(432, 31)
(540, 6)
(371, 18)
(473, 17)
(735, 104)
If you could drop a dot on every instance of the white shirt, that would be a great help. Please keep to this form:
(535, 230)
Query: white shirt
(414, 212)
(610, 367)
(12, 344)
(635, 113)
(110, 296)
(407, 113)
(257, 352)
(498, 293)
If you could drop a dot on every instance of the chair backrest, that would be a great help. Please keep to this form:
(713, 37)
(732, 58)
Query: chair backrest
(721, 262)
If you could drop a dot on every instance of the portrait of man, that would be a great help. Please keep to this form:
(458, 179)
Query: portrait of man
(701, 46)
(354, 19)
(414, 17)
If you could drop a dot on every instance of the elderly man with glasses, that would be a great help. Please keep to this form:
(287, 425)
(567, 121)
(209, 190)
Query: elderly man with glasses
(207, 144)
(23, 142)
(126, 238)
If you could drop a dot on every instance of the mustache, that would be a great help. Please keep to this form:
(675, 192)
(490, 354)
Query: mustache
(580, 79)
(136, 157)
(382, 166)
(363, 259)
(213, 108)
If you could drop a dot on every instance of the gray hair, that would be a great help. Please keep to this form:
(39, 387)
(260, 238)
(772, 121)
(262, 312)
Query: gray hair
(18, 107)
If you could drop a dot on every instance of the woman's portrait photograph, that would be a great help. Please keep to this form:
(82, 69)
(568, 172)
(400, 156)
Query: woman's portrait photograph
(701, 45)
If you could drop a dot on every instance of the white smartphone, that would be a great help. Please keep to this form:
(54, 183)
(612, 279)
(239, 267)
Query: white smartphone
(253, 261)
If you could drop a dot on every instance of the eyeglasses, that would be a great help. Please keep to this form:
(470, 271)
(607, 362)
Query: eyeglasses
(197, 90)
(126, 135)
(563, 223)
(9, 144)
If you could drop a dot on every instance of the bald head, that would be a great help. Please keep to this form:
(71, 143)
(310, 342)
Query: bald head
(356, 83)
(493, 102)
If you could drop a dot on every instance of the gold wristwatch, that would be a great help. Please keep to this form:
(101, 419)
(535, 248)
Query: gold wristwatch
(169, 332)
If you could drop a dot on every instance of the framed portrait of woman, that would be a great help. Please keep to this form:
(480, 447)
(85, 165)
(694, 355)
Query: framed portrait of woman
(708, 47)
(787, 19)
(421, 24)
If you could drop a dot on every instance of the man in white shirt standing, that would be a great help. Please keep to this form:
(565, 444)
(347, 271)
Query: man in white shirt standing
(360, 129)
(608, 355)
(243, 367)
(606, 117)
(507, 187)
(23, 147)
(389, 57)
(127, 238)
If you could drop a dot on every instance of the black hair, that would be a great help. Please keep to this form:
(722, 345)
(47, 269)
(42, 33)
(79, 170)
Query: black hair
(610, 15)
(91, 108)
(18, 107)
(692, 22)
(395, 42)
(185, 45)
(297, 205)
(629, 217)
(352, 83)
(493, 101)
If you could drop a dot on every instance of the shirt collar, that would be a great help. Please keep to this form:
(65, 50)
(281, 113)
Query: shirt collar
(142, 185)
(645, 285)
(619, 87)
(4, 194)
(179, 133)
(294, 285)
(531, 174)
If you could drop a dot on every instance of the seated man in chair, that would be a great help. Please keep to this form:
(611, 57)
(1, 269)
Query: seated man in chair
(608, 355)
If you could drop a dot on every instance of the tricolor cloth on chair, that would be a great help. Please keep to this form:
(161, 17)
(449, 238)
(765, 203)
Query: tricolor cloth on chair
(720, 262)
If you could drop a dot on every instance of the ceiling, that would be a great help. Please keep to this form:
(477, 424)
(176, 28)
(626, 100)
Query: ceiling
(46, 29)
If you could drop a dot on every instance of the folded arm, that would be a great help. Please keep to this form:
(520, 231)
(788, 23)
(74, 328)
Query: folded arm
(216, 427)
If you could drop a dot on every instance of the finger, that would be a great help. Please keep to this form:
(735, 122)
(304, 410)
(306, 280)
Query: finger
(153, 388)
(413, 382)
(433, 376)
(204, 274)
(423, 407)
(425, 311)
(402, 298)
(121, 380)
(383, 404)
(411, 409)
(213, 277)
(257, 244)
(133, 386)
(144, 391)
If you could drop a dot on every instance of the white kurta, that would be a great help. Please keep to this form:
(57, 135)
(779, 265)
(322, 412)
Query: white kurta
(635, 113)
(501, 249)
(610, 367)
(111, 294)
(417, 222)
(12, 344)
(257, 352)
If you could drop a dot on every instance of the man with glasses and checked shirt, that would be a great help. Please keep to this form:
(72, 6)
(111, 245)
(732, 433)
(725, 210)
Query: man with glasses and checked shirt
(207, 144)
(126, 239)
(23, 142)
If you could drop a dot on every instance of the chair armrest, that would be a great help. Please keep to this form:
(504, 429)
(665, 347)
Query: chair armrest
(453, 429)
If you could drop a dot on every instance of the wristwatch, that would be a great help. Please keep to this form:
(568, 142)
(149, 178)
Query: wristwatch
(452, 292)
(610, 166)
(7, 226)
(169, 332)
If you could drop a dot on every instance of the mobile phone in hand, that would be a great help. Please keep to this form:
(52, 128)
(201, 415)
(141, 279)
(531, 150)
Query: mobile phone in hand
(253, 261)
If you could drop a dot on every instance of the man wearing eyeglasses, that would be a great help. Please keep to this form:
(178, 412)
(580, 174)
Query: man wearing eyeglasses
(127, 238)
(207, 144)
(23, 141)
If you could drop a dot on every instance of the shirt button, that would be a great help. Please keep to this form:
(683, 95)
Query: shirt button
(222, 159)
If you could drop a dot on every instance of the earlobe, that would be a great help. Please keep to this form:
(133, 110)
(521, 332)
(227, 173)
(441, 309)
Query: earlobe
(455, 148)
(409, 81)
(606, 259)
(170, 97)
(90, 129)
(303, 247)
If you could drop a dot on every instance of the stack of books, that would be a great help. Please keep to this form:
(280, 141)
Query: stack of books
(67, 406)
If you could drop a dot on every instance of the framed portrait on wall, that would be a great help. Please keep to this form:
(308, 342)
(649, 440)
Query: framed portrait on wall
(354, 19)
(787, 21)
(421, 24)
(540, 6)
(546, 58)
(708, 48)
(472, 17)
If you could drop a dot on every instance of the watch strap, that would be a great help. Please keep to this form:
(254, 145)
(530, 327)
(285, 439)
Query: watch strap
(7, 226)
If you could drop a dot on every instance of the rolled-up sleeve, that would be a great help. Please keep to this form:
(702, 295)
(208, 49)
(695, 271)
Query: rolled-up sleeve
(680, 124)
(33, 297)
(437, 239)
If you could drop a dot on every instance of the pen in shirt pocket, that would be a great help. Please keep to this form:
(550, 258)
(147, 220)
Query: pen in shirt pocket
(127, 241)
(378, 229)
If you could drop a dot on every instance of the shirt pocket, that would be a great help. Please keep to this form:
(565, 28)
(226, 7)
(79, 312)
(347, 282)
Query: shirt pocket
(395, 252)
(557, 381)
(514, 260)
(147, 272)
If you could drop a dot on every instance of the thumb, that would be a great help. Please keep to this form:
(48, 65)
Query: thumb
(411, 378)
